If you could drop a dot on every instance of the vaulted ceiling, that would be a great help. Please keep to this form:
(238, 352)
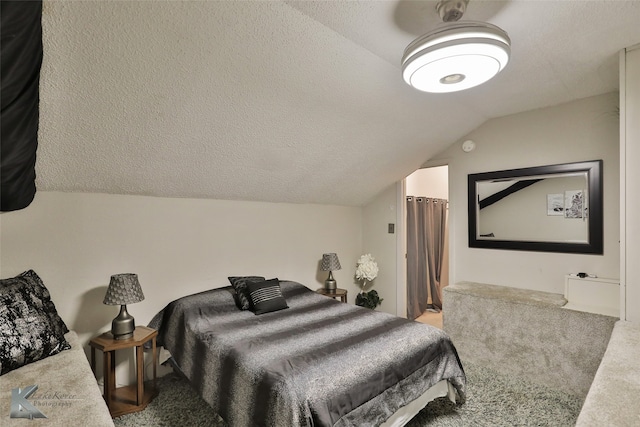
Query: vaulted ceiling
(288, 101)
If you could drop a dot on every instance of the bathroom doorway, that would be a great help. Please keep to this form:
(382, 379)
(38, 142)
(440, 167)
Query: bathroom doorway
(427, 243)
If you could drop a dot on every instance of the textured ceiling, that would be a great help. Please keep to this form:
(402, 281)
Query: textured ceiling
(289, 101)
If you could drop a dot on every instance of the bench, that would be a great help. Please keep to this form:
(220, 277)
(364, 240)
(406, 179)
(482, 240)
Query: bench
(526, 333)
(67, 393)
(613, 397)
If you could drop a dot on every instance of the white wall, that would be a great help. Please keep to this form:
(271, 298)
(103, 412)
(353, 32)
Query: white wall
(581, 130)
(630, 177)
(377, 241)
(429, 182)
(76, 241)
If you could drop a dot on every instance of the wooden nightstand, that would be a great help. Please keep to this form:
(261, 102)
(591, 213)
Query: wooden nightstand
(133, 398)
(342, 293)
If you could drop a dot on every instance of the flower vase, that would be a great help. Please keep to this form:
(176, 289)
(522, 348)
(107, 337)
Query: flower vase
(369, 299)
(364, 285)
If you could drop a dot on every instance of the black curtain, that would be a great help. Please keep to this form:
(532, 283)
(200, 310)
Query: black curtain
(20, 58)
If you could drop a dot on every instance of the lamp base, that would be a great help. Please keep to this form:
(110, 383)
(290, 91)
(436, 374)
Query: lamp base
(123, 325)
(330, 283)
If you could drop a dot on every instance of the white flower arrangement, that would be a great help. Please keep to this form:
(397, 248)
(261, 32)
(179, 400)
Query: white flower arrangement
(366, 269)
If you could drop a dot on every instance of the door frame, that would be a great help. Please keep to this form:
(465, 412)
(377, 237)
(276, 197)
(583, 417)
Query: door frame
(401, 237)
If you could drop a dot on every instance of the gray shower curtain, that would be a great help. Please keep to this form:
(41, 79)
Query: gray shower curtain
(426, 225)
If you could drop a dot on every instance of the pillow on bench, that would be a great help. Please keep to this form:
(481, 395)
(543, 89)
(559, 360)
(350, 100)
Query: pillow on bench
(30, 327)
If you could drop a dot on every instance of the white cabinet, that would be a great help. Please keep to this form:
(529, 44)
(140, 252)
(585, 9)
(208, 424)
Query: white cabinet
(593, 295)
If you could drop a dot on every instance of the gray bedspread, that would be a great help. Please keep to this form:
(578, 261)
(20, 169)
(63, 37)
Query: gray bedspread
(318, 363)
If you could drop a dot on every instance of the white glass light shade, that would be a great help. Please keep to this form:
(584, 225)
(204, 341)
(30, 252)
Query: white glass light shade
(455, 57)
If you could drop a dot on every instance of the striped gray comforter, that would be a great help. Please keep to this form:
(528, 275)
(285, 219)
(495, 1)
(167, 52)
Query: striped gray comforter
(318, 363)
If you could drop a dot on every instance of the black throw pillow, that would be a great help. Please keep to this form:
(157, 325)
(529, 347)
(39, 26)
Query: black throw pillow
(239, 284)
(30, 327)
(266, 296)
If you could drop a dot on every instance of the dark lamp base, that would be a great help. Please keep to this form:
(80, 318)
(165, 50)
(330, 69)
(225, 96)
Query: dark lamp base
(123, 325)
(330, 284)
(123, 337)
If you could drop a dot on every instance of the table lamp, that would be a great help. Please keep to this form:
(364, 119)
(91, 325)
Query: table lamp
(123, 289)
(330, 263)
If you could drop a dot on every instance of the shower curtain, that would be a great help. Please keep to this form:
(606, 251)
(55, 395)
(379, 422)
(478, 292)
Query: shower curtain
(426, 224)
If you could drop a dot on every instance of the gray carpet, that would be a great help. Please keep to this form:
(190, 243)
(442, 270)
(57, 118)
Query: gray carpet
(493, 399)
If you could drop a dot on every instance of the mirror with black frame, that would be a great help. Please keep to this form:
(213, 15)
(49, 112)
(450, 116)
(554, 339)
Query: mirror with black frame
(555, 208)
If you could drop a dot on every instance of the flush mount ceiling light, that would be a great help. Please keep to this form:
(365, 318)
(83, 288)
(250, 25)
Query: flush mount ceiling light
(457, 55)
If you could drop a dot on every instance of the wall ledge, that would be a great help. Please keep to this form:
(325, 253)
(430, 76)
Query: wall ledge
(505, 293)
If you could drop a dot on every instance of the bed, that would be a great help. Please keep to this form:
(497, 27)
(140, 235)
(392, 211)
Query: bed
(319, 362)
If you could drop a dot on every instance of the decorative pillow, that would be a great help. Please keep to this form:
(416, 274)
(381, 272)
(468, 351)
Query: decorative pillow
(266, 296)
(239, 284)
(30, 327)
